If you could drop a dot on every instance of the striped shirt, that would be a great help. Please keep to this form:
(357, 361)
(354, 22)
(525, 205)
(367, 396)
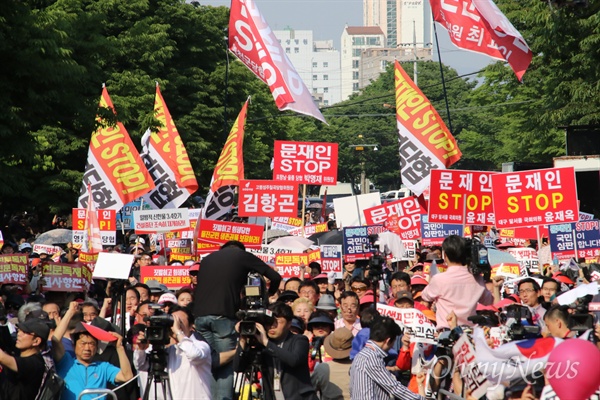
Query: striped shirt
(369, 379)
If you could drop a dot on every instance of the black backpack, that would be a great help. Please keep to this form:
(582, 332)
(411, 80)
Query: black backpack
(52, 384)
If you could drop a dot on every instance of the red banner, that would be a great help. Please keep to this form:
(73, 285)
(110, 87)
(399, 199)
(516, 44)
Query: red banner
(481, 27)
(547, 196)
(259, 198)
(518, 236)
(13, 269)
(313, 163)
(172, 276)
(463, 197)
(107, 225)
(74, 277)
(425, 141)
(220, 232)
(253, 42)
(402, 217)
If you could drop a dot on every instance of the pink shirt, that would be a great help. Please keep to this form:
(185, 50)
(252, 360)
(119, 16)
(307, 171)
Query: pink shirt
(355, 327)
(456, 290)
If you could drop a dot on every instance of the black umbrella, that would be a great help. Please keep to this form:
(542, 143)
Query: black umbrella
(331, 237)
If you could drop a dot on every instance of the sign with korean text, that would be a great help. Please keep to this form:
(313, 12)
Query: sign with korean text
(507, 270)
(125, 215)
(410, 249)
(313, 163)
(267, 253)
(286, 264)
(258, 198)
(587, 235)
(562, 241)
(464, 358)
(527, 257)
(172, 276)
(357, 245)
(309, 230)
(461, 197)
(46, 249)
(73, 277)
(520, 236)
(220, 232)
(434, 234)
(421, 329)
(151, 221)
(286, 223)
(106, 221)
(331, 259)
(13, 269)
(546, 196)
(402, 217)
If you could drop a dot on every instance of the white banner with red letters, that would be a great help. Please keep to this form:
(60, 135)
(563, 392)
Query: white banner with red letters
(259, 198)
(151, 221)
(419, 326)
(312, 163)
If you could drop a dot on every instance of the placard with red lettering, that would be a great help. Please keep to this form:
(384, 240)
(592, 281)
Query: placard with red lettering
(13, 269)
(267, 253)
(309, 230)
(587, 235)
(313, 163)
(331, 259)
(461, 197)
(107, 221)
(286, 223)
(152, 221)
(421, 329)
(410, 249)
(72, 277)
(464, 358)
(520, 236)
(526, 198)
(172, 276)
(259, 198)
(527, 257)
(292, 264)
(220, 232)
(402, 217)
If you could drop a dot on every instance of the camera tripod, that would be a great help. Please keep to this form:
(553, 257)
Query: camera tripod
(158, 375)
(250, 375)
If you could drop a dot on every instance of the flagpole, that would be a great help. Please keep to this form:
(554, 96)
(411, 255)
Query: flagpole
(303, 204)
(437, 42)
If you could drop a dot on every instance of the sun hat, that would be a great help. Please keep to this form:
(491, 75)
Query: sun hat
(339, 343)
(326, 302)
(288, 295)
(321, 319)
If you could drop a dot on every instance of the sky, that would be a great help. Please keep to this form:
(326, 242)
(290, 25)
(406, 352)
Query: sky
(327, 18)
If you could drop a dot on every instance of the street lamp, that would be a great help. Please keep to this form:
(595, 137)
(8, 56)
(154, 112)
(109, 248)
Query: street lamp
(364, 189)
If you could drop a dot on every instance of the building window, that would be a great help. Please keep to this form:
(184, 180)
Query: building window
(356, 52)
(325, 64)
(355, 75)
(287, 50)
(314, 77)
(287, 41)
(325, 90)
(325, 77)
(355, 87)
(384, 64)
(326, 102)
(305, 41)
(358, 41)
(296, 50)
(355, 63)
(373, 41)
(296, 41)
(315, 65)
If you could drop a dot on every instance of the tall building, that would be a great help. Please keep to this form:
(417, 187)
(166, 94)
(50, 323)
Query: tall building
(317, 63)
(401, 21)
(355, 39)
(374, 61)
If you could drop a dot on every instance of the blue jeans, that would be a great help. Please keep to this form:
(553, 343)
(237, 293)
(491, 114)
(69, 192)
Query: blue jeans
(220, 333)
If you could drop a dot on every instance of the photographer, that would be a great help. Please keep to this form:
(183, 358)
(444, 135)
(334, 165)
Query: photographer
(284, 362)
(188, 360)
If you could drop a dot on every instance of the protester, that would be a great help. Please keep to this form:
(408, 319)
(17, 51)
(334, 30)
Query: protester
(331, 379)
(184, 297)
(302, 308)
(310, 291)
(529, 292)
(349, 319)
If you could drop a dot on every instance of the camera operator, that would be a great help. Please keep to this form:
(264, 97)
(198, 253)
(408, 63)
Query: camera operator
(188, 359)
(284, 362)
(217, 299)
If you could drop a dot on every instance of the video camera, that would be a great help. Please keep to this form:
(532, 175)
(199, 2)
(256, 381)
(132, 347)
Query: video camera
(159, 326)
(478, 261)
(255, 302)
(377, 260)
(519, 321)
(581, 320)
(446, 339)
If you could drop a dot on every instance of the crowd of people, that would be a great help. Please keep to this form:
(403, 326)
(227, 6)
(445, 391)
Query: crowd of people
(240, 330)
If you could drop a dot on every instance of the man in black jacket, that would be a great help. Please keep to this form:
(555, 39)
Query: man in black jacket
(284, 362)
(221, 277)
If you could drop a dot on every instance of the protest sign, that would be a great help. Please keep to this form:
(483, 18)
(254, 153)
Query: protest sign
(587, 235)
(331, 259)
(410, 250)
(113, 265)
(286, 223)
(125, 215)
(507, 270)
(434, 234)
(151, 221)
(562, 241)
(463, 197)
(520, 236)
(286, 264)
(527, 258)
(349, 210)
(402, 217)
(267, 252)
(172, 276)
(357, 245)
(312, 163)
(106, 222)
(464, 359)
(259, 198)
(583, 216)
(219, 232)
(421, 329)
(46, 249)
(538, 197)
(13, 269)
(309, 230)
(74, 277)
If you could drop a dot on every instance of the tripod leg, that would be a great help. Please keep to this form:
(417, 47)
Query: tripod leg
(148, 387)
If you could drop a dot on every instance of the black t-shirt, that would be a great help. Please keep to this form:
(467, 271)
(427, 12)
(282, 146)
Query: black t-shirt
(25, 383)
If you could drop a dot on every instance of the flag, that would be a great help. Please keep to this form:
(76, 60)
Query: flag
(254, 43)
(512, 360)
(571, 265)
(92, 242)
(166, 158)
(424, 141)
(324, 207)
(228, 172)
(479, 26)
(114, 170)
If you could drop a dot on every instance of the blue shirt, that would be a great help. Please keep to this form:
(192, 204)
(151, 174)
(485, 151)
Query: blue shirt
(79, 377)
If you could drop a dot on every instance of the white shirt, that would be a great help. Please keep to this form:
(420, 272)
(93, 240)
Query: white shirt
(188, 363)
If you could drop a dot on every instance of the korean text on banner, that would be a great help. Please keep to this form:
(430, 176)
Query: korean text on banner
(114, 168)
(479, 26)
(106, 223)
(287, 263)
(13, 269)
(172, 276)
(151, 221)
(125, 215)
(67, 277)
(434, 234)
(425, 141)
(587, 235)
(357, 245)
(220, 232)
(254, 44)
(402, 217)
(546, 196)
(167, 161)
(461, 197)
(260, 198)
(228, 172)
(464, 358)
(421, 329)
(313, 163)
(331, 259)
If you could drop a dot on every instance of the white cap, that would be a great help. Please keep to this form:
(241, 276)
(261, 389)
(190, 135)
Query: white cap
(332, 216)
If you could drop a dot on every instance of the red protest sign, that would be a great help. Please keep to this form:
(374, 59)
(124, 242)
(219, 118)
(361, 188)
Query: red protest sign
(74, 277)
(172, 276)
(13, 269)
(259, 198)
(107, 222)
(312, 163)
(546, 196)
(402, 217)
(461, 197)
(219, 232)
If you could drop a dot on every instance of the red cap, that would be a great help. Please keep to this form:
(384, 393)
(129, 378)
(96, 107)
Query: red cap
(96, 332)
(368, 297)
(195, 267)
(418, 280)
(563, 278)
(508, 301)
(481, 307)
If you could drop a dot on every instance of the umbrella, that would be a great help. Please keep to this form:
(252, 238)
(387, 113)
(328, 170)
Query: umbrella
(292, 242)
(55, 236)
(331, 237)
(497, 257)
(273, 234)
(315, 206)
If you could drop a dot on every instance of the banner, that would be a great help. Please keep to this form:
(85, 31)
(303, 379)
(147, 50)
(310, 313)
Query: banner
(125, 215)
(587, 235)
(172, 276)
(259, 198)
(421, 330)
(114, 168)
(464, 359)
(463, 197)
(106, 223)
(425, 141)
(228, 172)
(13, 269)
(73, 277)
(331, 259)
(538, 197)
(309, 230)
(402, 217)
(286, 223)
(312, 163)
(434, 234)
(167, 161)
(254, 44)
(519, 236)
(292, 264)
(151, 221)
(562, 241)
(39, 248)
(527, 257)
(410, 250)
(357, 244)
(479, 26)
(220, 232)
(267, 252)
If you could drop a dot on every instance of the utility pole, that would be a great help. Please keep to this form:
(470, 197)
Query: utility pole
(414, 46)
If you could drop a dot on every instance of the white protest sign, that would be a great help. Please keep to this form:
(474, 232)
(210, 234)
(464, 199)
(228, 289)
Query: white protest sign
(464, 358)
(113, 265)
(267, 252)
(331, 259)
(151, 221)
(418, 325)
(349, 210)
(527, 257)
(583, 290)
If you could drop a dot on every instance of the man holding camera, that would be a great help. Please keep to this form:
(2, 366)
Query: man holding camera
(284, 363)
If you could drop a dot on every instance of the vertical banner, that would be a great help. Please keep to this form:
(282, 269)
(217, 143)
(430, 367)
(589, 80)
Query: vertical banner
(425, 143)
(114, 169)
(312, 163)
(260, 198)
